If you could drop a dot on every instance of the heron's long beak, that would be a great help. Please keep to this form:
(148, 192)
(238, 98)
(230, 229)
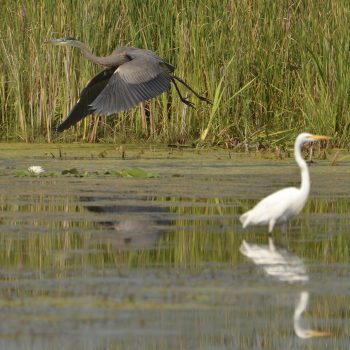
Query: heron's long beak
(320, 137)
(53, 41)
(56, 41)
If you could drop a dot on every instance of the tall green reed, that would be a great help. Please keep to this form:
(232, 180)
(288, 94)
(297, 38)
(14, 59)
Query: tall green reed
(289, 69)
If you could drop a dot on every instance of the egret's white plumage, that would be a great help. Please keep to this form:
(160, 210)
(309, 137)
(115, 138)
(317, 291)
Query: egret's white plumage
(284, 204)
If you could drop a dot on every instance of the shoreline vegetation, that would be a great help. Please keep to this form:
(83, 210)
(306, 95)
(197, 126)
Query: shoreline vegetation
(272, 69)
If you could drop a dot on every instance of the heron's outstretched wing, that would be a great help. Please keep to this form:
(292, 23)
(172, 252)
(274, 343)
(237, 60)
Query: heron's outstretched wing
(88, 95)
(135, 81)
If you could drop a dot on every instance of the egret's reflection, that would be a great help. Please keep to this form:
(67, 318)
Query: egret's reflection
(286, 267)
(300, 330)
(278, 263)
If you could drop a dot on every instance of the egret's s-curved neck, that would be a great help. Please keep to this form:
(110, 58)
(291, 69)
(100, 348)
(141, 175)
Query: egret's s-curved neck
(305, 177)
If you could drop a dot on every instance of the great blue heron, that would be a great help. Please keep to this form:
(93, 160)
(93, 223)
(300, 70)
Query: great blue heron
(131, 76)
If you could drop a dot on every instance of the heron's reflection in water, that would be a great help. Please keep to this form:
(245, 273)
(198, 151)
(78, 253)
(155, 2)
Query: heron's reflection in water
(285, 267)
(132, 226)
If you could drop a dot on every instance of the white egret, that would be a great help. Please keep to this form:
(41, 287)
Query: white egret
(284, 204)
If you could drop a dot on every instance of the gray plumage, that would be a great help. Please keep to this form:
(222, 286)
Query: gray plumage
(131, 76)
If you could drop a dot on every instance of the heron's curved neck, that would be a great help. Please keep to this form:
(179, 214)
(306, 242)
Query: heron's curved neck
(305, 178)
(103, 61)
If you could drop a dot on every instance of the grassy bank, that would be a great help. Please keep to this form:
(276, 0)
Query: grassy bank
(272, 68)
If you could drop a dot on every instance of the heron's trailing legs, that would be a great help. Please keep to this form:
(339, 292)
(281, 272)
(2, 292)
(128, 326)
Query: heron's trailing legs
(184, 100)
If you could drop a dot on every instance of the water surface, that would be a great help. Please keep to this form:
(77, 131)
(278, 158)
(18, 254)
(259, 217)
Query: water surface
(105, 262)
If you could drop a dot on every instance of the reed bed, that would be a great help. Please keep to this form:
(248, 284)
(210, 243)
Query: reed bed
(272, 69)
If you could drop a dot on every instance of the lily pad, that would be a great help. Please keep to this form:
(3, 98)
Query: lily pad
(24, 173)
(71, 172)
(137, 172)
(112, 173)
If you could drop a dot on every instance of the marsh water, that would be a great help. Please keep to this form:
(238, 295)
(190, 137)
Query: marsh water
(109, 262)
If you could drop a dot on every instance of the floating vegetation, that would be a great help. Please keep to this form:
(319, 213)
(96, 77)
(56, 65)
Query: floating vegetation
(127, 172)
(137, 172)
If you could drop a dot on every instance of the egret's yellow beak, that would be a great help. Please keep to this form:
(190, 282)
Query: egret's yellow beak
(320, 137)
(319, 334)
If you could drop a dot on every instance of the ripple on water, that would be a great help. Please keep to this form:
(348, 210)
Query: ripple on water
(104, 262)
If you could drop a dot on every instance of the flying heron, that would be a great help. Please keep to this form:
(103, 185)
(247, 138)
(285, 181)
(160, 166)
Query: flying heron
(131, 75)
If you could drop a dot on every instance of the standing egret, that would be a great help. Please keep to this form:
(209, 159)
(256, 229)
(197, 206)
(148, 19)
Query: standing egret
(131, 76)
(284, 204)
